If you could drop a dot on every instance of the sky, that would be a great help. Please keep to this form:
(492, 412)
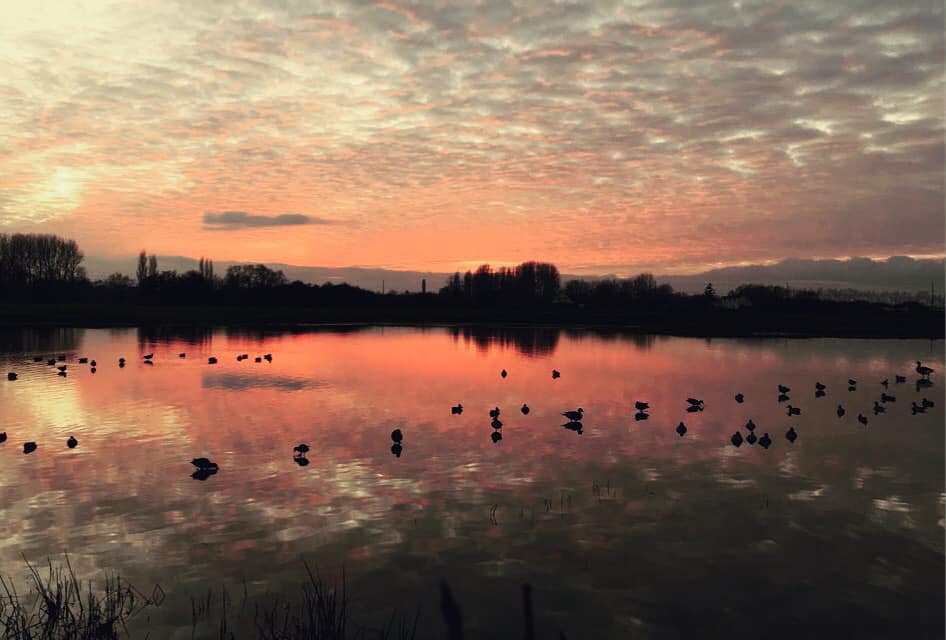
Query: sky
(606, 137)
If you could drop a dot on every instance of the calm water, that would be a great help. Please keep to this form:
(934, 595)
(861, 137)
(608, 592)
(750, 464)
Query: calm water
(625, 529)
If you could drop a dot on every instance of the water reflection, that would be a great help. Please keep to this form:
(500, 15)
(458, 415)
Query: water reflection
(706, 526)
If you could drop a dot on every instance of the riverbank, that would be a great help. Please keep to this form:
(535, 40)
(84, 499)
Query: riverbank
(850, 321)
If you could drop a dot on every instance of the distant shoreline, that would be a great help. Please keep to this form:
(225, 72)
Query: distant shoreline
(869, 321)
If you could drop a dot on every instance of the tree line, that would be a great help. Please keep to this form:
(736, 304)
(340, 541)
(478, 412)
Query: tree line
(47, 268)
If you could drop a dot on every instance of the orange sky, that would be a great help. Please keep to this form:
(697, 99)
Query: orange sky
(401, 135)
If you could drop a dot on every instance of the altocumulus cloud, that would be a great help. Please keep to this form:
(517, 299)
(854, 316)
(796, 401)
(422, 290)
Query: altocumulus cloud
(231, 220)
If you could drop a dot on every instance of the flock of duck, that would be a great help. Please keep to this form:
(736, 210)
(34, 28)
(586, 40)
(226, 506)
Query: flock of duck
(206, 467)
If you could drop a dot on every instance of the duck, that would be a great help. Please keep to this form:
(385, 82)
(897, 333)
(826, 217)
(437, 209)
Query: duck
(879, 408)
(793, 411)
(681, 429)
(740, 398)
(503, 373)
(496, 436)
(693, 402)
(819, 394)
(556, 374)
(11, 376)
(765, 441)
(820, 387)
(63, 367)
(397, 436)
(204, 464)
(83, 360)
(750, 425)
(736, 439)
(791, 435)
(751, 437)
(917, 408)
(182, 355)
(885, 398)
(927, 403)
(211, 360)
(3, 437)
(268, 357)
(494, 413)
(148, 356)
(301, 449)
(29, 447)
(640, 415)
(496, 424)
(862, 419)
(575, 415)
(783, 398)
(923, 370)
(93, 364)
(851, 382)
(72, 443)
(121, 362)
(258, 359)
(885, 383)
(457, 410)
(783, 389)
(525, 409)
(840, 411)
(92, 369)
(641, 406)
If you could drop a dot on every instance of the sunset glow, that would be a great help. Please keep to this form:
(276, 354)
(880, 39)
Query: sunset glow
(605, 137)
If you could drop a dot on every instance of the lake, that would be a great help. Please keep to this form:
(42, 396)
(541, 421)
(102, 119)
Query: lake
(623, 528)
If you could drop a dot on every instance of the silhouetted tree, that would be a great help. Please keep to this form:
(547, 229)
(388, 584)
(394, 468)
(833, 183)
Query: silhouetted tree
(142, 272)
(152, 266)
(709, 292)
(254, 276)
(32, 259)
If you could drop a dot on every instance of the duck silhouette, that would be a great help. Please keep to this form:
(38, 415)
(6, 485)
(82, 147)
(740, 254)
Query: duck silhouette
(268, 357)
(840, 411)
(641, 406)
(62, 374)
(927, 403)
(63, 367)
(751, 437)
(681, 429)
(923, 370)
(83, 360)
(496, 424)
(740, 398)
(121, 363)
(148, 356)
(258, 359)
(29, 447)
(885, 398)
(693, 402)
(72, 443)
(93, 364)
(783, 398)
(885, 383)
(211, 360)
(496, 436)
(736, 439)
(205, 463)
(783, 389)
(791, 434)
(494, 412)
(556, 375)
(301, 449)
(3, 437)
(765, 441)
(396, 435)
(92, 369)
(640, 415)
(851, 382)
(862, 419)
(917, 408)
(750, 426)
(879, 408)
(11, 376)
(793, 411)
(575, 416)
(503, 373)
(819, 387)
(457, 410)
(51, 362)
(182, 355)
(819, 394)
(525, 409)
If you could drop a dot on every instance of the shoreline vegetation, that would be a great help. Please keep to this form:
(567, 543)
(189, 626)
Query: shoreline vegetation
(56, 605)
(43, 283)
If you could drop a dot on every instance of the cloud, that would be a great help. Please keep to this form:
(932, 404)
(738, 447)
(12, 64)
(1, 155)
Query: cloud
(231, 220)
